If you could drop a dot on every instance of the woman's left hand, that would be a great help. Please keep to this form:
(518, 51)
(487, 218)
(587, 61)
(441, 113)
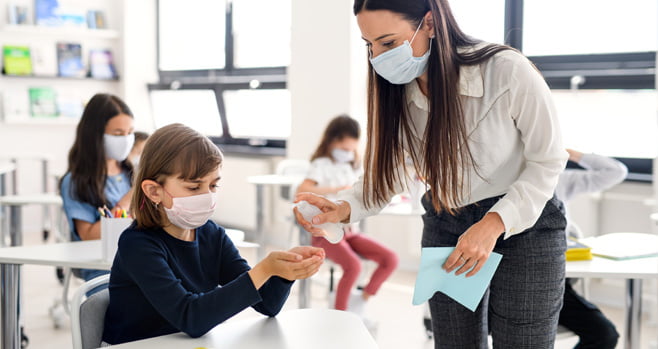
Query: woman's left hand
(475, 245)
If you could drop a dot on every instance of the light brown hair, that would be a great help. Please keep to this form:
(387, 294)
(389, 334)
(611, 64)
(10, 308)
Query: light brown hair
(172, 150)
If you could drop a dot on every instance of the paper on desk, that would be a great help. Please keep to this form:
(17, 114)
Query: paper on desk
(466, 290)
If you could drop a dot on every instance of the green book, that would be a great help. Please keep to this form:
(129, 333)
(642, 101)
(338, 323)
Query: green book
(43, 102)
(17, 60)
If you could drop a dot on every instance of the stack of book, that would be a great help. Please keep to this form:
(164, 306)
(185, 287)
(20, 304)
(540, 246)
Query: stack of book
(577, 251)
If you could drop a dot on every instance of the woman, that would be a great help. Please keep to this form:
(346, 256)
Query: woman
(478, 123)
(99, 173)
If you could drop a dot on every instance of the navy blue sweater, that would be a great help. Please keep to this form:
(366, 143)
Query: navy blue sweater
(161, 285)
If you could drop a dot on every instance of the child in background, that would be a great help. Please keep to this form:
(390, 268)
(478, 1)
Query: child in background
(98, 172)
(334, 167)
(175, 270)
(578, 315)
(138, 148)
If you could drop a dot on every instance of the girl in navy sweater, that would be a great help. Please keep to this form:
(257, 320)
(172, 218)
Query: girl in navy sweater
(175, 270)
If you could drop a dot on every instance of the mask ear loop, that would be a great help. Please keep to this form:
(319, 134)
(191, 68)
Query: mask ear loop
(417, 29)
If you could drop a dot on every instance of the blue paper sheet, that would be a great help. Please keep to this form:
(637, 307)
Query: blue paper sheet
(466, 290)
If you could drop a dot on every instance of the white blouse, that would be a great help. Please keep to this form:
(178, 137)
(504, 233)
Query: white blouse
(327, 173)
(513, 134)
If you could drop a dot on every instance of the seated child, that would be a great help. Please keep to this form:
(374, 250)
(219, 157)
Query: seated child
(175, 270)
(138, 148)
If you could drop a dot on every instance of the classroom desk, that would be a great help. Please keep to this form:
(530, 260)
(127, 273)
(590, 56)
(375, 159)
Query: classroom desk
(294, 329)
(14, 204)
(633, 271)
(83, 254)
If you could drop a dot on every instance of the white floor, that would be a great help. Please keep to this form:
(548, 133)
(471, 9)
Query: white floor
(400, 323)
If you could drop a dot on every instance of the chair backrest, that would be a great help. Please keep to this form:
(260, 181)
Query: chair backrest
(291, 167)
(88, 314)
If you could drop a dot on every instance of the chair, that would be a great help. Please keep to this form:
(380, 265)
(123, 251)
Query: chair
(88, 314)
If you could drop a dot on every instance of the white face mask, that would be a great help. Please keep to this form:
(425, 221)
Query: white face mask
(342, 156)
(191, 212)
(118, 147)
(398, 65)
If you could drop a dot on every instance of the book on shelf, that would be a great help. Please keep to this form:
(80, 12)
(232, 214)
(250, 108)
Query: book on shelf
(101, 64)
(96, 19)
(46, 13)
(16, 60)
(44, 60)
(69, 60)
(43, 102)
(16, 15)
(577, 251)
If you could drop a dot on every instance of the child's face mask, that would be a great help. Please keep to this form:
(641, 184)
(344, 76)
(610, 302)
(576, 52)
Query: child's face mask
(342, 156)
(191, 212)
(118, 147)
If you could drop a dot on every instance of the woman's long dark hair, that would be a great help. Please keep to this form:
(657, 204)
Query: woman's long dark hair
(444, 158)
(338, 128)
(87, 160)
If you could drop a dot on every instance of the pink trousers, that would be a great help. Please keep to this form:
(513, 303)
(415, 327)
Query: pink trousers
(346, 253)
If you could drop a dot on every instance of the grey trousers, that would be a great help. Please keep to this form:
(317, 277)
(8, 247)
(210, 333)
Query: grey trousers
(522, 305)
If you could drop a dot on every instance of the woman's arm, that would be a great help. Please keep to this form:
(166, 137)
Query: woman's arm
(311, 186)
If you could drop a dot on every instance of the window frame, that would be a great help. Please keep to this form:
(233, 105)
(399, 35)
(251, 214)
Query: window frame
(220, 80)
(630, 70)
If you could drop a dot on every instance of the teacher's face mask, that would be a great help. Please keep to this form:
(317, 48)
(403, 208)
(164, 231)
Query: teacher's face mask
(398, 65)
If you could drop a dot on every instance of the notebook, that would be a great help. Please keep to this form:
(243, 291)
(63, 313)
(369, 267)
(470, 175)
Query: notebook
(621, 246)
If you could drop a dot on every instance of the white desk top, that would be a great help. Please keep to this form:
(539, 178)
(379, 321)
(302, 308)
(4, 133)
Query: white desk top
(81, 254)
(274, 179)
(640, 268)
(6, 167)
(294, 329)
(31, 199)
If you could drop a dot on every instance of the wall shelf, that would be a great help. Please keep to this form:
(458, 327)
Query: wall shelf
(56, 77)
(59, 32)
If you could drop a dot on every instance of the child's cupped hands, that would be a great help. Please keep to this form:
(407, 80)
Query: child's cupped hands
(297, 263)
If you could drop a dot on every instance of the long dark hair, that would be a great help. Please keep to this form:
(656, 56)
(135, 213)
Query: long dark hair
(87, 161)
(338, 128)
(444, 156)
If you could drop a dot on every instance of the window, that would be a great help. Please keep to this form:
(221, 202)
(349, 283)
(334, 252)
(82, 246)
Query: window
(619, 123)
(194, 108)
(222, 68)
(191, 34)
(266, 44)
(560, 27)
(268, 109)
(486, 23)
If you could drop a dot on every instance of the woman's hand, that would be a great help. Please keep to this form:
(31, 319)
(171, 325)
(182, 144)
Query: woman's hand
(475, 245)
(333, 212)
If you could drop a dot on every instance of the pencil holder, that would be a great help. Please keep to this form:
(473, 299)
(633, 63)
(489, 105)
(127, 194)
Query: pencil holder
(111, 229)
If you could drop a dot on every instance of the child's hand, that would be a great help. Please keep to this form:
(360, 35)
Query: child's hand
(308, 251)
(288, 265)
(292, 266)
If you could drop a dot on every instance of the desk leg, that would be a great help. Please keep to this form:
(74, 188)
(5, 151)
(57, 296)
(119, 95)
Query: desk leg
(304, 284)
(260, 222)
(15, 233)
(633, 313)
(9, 277)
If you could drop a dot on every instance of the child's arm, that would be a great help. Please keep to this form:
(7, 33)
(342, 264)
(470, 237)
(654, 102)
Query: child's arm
(309, 185)
(273, 275)
(88, 231)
